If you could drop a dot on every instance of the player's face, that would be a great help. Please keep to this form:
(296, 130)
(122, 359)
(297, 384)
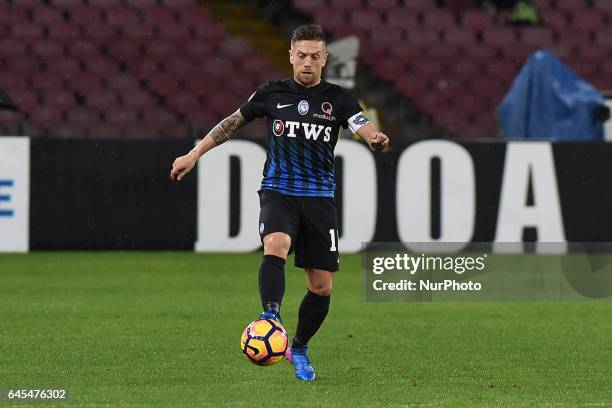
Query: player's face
(308, 59)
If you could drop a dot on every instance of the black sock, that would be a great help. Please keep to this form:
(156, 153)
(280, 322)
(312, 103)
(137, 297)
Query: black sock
(313, 311)
(272, 282)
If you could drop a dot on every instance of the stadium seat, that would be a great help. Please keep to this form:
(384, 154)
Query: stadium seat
(575, 39)
(48, 83)
(26, 100)
(141, 3)
(101, 33)
(102, 99)
(384, 37)
(466, 68)
(571, 5)
(186, 103)
(438, 19)
(596, 53)
(557, 20)
(383, 5)
(604, 37)
(83, 116)
(536, 37)
(542, 5)
(121, 16)
(14, 15)
(85, 15)
(401, 19)
(603, 5)
(309, 6)
(120, 116)
(83, 49)
(82, 81)
(194, 16)
(365, 19)
(476, 20)
(47, 15)
(347, 4)
(209, 33)
(422, 37)
(199, 48)
(389, 69)
(139, 33)
(24, 64)
(174, 31)
(137, 99)
(62, 100)
(27, 31)
(459, 37)
(180, 67)
(47, 49)
(500, 37)
(218, 67)
(66, 3)
(587, 20)
(158, 117)
(64, 32)
(159, 15)
(101, 65)
(420, 5)
(235, 48)
(178, 4)
(561, 51)
(163, 48)
(331, 18)
(12, 47)
(164, 84)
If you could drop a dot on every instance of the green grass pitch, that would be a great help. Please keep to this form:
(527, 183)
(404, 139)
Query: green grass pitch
(162, 329)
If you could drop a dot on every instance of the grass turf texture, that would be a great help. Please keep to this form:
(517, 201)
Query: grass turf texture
(162, 329)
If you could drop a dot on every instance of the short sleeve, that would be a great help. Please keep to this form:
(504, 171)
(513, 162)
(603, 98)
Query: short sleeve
(255, 106)
(352, 116)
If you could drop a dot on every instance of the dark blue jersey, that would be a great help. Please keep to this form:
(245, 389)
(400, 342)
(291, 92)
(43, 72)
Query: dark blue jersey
(303, 125)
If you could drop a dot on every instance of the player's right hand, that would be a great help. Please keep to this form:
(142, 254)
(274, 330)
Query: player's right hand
(181, 166)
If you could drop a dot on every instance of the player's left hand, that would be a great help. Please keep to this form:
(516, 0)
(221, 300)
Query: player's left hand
(379, 141)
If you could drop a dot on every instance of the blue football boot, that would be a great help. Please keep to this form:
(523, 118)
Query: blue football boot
(298, 357)
(272, 315)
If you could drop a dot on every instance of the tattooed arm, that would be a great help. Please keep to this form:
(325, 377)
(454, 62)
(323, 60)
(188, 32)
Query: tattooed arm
(225, 130)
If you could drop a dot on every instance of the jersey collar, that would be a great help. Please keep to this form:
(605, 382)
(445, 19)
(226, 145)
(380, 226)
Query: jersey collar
(310, 90)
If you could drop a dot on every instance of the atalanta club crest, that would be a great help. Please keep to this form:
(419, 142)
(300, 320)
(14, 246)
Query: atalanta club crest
(278, 127)
(303, 107)
(327, 108)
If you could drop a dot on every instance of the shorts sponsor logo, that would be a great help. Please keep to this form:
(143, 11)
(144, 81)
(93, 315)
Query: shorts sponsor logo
(278, 127)
(261, 228)
(303, 107)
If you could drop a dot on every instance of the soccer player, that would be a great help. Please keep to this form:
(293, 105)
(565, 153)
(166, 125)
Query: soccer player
(298, 211)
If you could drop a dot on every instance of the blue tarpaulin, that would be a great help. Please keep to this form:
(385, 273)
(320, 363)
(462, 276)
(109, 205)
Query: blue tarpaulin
(547, 100)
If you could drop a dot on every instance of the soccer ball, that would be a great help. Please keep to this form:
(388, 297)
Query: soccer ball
(264, 342)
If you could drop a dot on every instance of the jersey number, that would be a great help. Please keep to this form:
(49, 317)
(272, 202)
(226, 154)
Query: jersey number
(332, 236)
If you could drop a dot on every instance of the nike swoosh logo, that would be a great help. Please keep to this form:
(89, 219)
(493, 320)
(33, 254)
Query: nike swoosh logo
(279, 106)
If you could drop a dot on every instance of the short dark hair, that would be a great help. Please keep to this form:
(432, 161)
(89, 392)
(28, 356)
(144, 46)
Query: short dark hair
(309, 32)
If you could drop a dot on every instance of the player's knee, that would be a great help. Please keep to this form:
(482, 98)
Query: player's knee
(321, 288)
(277, 244)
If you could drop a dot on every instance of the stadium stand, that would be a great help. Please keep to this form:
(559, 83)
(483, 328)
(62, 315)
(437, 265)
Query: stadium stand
(112, 68)
(162, 68)
(456, 63)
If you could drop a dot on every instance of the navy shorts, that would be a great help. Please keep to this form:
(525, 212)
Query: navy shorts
(311, 222)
